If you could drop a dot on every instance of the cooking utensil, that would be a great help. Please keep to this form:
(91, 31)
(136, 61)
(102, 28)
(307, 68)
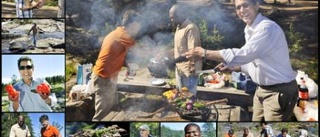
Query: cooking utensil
(209, 71)
(158, 82)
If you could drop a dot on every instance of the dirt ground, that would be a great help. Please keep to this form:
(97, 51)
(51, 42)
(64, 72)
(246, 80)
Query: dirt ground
(8, 10)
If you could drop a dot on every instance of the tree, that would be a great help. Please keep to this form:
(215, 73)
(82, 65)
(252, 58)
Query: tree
(57, 125)
(209, 130)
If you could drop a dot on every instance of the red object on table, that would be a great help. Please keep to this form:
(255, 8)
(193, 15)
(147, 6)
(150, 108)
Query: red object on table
(43, 88)
(11, 91)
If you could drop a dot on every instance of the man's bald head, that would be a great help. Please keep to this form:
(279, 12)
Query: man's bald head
(20, 120)
(177, 14)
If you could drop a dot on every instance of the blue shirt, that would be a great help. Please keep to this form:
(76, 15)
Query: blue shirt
(30, 101)
(265, 55)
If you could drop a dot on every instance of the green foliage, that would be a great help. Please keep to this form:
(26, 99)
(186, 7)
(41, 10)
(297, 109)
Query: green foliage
(55, 79)
(209, 130)
(9, 119)
(58, 126)
(70, 71)
(295, 39)
(167, 132)
(211, 40)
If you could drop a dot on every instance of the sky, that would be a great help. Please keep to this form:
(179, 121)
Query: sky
(56, 117)
(180, 125)
(44, 66)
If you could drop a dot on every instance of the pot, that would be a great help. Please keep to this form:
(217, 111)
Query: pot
(158, 68)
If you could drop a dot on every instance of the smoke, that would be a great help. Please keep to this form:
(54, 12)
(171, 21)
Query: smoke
(156, 34)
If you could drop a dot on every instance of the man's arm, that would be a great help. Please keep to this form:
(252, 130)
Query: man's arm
(30, 30)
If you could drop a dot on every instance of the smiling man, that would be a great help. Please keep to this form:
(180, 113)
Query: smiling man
(192, 130)
(265, 58)
(29, 99)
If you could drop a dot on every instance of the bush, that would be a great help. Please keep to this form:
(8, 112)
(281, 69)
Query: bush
(70, 71)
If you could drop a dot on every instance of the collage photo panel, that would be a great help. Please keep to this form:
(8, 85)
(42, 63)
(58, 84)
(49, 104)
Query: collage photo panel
(159, 68)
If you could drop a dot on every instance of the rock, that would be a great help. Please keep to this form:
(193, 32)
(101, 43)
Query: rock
(16, 45)
(10, 35)
(80, 110)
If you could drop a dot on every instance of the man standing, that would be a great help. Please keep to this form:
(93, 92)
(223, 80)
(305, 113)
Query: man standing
(20, 129)
(28, 100)
(284, 133)
(265, 58)
(186, 37)
(266, 130)
(35, 32)
(246, 133)
(230, 133)
(20, 11)
(110, 61)
(192, 130)
(48, 130)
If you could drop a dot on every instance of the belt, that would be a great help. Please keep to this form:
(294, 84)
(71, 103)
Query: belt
(276, 85)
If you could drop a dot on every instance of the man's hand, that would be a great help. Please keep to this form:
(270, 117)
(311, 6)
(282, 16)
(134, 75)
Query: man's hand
(197, 52)
(222, 67)
(14, 98)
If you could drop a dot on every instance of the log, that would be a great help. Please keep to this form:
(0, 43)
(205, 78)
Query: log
(225, 100)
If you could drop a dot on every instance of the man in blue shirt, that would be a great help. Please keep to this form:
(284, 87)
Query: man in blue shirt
(29, 100)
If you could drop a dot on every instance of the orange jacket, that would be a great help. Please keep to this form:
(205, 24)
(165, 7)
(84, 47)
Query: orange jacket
(112, 53)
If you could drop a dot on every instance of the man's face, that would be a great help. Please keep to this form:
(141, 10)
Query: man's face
(246, 10)
(192, 131)
(44, 123)
(245, 132)
(21, 121)
(173, 18)
(144, 133)
(26, 70)
(284, 134)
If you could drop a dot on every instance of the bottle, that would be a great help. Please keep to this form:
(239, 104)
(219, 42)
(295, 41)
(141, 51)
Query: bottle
(303, 94)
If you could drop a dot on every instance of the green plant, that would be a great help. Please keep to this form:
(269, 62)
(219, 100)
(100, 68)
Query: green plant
(70, 71)
(295, 39)
(210, 40)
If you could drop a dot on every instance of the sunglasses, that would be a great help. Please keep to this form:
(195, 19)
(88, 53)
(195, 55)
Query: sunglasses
(25, 67)
(142, 130)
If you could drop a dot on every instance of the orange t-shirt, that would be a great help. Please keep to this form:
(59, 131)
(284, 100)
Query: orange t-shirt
(50, 131)
(112, 53)
(227, 135)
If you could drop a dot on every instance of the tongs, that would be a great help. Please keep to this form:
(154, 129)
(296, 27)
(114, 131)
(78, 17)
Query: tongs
(172, 63)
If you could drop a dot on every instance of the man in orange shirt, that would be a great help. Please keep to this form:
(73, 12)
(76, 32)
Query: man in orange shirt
(110, 61)
(230, 133)
(48, 130)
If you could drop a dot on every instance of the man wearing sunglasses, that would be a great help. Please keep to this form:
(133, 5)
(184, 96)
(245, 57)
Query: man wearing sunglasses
(28, 98)
(265, 58)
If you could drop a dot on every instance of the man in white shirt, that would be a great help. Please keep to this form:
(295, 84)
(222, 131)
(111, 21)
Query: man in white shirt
(29, 100)
(265, 58)
(20, 129)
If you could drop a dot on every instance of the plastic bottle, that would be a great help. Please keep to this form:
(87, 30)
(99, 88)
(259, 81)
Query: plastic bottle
(303, 95)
